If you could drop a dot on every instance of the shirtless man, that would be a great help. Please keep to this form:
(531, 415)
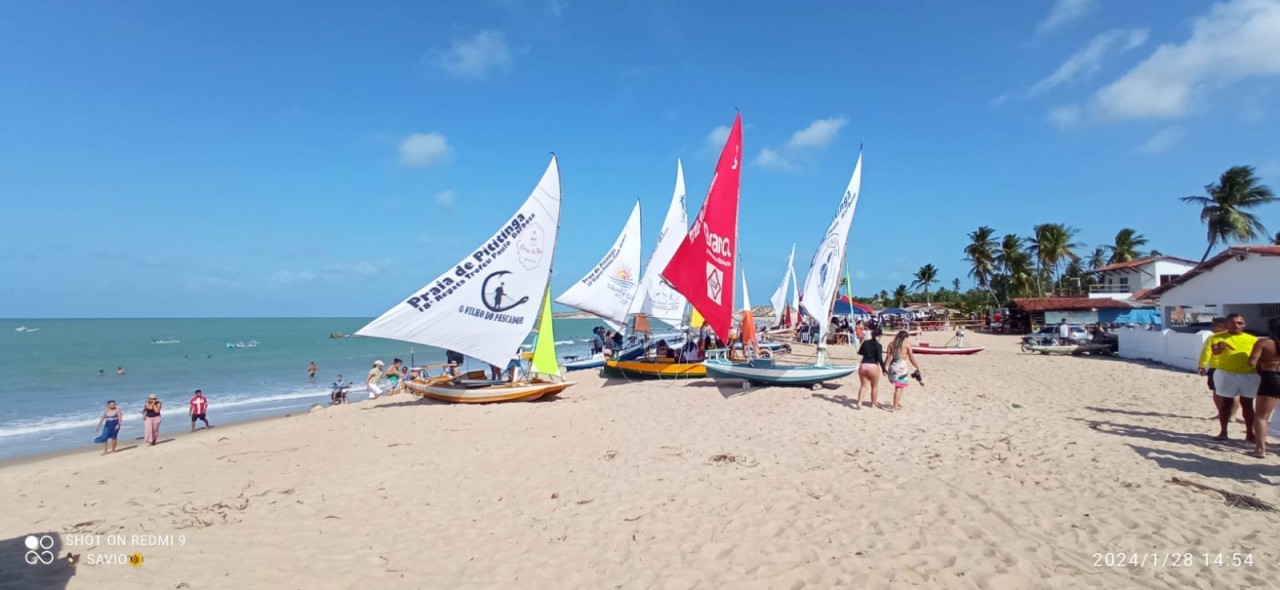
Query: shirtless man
(1265, 359)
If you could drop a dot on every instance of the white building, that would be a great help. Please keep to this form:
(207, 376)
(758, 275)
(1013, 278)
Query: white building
(1129, 280)
(1242, 279)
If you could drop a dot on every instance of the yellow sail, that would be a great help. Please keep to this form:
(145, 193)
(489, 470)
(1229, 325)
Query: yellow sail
(695, 319)
(544, 349)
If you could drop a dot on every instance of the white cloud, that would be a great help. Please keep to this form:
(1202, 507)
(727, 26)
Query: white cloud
(475, 56)
(1065, 115)
(424, 149)
(1163, 141)
(1236, 40)
(446, 199)
(1088, 60)
(801, 144)
(818, 134)
(329, 273)
(1065, 12)
(714, 142)
(556, 8)
(773, 159)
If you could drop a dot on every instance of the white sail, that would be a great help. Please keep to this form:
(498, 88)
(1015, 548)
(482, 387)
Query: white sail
(608, 290)
(795, 293)
(746, 297)
(656, 298)
(486, 305)
(779, 299)
(824, 272)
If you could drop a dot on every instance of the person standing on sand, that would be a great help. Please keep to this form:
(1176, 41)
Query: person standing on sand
(901, 356)
(109, 423)
(1235, 377)
(1209, 362)
(1265, 358)
(1064, 332)
(311, 371)
(871, 367)
(151, 420)
(454, 360)
(372, 379)
(199, 407)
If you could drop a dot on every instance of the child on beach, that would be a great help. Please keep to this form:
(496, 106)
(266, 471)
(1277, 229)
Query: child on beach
(110, 421)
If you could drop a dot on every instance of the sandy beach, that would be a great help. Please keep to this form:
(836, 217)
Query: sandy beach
(1005, 471)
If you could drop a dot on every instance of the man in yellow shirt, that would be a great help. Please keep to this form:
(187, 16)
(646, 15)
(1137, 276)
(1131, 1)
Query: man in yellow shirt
(1209, 363)
(1234, 375)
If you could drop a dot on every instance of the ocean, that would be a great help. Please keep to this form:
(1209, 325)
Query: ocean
(56, 377)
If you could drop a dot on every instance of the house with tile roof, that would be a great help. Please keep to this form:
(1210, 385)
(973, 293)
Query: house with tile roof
(1241, 279)
(1131, 280)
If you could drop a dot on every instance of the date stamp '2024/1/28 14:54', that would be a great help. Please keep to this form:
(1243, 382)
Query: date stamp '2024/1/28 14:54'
(1179, 559)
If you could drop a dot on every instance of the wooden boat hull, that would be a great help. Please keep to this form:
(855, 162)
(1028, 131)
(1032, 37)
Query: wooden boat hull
(444, 389)
(588, 362)
(766, 371)
(947, 349)
(1072, 349)
(651, 369)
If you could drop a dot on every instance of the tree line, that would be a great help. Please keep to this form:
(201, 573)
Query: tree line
(1050, 260)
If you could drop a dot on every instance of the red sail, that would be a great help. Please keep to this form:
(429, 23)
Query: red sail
(702, 268)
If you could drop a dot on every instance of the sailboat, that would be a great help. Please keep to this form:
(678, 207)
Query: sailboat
(487, 304)
(781, 313)
(608, 291)
(656, 299)
(820, 287)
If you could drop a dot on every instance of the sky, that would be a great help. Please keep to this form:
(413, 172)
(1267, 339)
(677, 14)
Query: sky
(187, 159)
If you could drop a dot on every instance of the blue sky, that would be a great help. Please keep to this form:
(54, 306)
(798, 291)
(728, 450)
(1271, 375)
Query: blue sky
(241, 158)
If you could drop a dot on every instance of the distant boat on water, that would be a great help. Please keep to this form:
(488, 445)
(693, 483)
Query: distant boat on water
(338, 335)
(242, 344)
(25, 329)
(166, 341)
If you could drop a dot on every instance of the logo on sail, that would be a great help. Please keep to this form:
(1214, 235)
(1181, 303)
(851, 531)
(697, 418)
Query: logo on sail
(493, 293)
(623, 283)
(715, 282)
(530, 246)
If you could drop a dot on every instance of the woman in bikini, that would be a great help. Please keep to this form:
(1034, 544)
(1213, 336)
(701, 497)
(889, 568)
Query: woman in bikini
(901, 356)
(109, 423)
(871, 367)
(1265, 358)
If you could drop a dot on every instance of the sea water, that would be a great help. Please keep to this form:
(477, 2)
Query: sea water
(55, 381)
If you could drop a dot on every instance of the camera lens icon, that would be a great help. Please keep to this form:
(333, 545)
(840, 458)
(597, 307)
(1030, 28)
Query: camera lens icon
(39, 550)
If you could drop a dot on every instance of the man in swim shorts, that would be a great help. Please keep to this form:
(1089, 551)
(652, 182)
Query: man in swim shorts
(1235, 377)
(1208, 362)
(199, 408)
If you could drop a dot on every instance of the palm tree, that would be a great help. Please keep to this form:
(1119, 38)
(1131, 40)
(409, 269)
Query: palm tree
(1128, 240)
(955, 285)
(1277, 240)
(981, 255)
(1225, 211)
(1021, 275)
(924, 278)
(884, 297)
(1098, 259)
(900, 296)
(1052, 246)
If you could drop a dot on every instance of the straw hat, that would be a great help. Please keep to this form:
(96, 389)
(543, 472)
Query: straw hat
(378, 363)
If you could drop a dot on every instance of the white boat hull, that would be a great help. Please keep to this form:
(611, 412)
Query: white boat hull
(766, 371)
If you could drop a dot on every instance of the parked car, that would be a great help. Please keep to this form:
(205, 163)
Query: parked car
(1049, 335)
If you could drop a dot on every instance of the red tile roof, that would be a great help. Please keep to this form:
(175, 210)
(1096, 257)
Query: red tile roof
(1140, 262)
(1072, 304)
(1211, 264)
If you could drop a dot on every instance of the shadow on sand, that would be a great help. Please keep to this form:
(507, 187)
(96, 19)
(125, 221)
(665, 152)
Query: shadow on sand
(1142, 413)
(1250, 470)
(45, 566)
(847, 402)
(1156, 435)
